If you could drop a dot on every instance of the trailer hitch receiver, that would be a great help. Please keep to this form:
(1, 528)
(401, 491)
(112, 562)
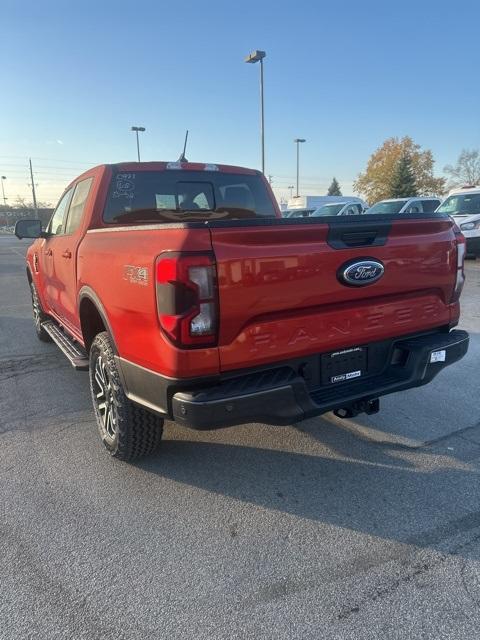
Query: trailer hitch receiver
(360, 406)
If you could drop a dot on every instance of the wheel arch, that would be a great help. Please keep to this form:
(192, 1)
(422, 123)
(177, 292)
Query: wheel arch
(93, 317)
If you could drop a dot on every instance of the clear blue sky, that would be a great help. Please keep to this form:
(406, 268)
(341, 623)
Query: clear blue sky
(345, 75)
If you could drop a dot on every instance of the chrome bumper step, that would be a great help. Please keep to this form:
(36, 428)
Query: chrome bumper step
(75, 353)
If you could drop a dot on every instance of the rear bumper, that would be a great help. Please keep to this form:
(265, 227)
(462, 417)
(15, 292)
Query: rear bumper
(282, 395)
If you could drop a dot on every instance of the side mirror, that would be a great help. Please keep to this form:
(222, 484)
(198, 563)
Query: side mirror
(28, 229)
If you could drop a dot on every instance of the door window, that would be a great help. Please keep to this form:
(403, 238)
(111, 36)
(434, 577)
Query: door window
(352, 210)
(78, 205)
(414, 207)
(429, 206)
(57, 221)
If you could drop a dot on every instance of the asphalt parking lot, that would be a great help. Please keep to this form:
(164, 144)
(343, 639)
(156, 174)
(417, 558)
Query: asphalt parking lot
(366, 528)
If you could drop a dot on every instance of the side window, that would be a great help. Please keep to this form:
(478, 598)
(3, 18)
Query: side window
(415, 207)
(429, 206)
(351, 210)
(78, 204)
(201, 201)
(57, 221)
(195, 195)
(238, 196)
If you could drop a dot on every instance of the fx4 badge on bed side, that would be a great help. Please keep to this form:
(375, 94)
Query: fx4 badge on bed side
(135, 275)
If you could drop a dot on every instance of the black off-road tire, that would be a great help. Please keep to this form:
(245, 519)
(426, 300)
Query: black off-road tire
(127, 430)
(38, 315)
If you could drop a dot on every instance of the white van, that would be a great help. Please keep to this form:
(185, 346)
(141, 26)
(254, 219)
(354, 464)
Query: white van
(464, 207)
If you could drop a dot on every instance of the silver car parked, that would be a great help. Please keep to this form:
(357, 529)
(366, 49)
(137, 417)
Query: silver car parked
(406, 205)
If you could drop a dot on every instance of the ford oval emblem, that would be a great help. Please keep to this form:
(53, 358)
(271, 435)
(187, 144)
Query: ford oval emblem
(359, 273)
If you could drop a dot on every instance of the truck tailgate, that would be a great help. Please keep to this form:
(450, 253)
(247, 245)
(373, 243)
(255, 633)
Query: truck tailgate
(281, 297)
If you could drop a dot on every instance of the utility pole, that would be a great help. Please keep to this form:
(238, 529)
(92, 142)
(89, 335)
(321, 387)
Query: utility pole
(2, 178)
(33, 189)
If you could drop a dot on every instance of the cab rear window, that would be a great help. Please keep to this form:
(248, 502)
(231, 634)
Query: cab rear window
(183, 196)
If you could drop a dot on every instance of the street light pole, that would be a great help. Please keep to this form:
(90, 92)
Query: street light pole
(258, 56)
(297, 142)
(137, 129)
(3, 191)
(138, 146)
(262, 116)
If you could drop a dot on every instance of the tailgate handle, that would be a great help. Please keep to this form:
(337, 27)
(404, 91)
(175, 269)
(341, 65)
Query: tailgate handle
(359, 239)
(345, 235)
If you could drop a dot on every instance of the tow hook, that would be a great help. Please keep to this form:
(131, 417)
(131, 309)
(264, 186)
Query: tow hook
(360, 406)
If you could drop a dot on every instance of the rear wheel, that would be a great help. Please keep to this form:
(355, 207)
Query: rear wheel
(128, 431)
(38, 315)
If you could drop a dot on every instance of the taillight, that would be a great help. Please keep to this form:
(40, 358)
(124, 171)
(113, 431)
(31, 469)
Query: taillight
(460, 278)
(187, 298)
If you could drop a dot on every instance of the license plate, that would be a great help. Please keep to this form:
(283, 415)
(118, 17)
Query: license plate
(343, 365)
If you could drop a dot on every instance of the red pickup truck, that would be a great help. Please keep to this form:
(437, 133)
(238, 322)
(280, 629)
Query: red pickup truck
(187, 297)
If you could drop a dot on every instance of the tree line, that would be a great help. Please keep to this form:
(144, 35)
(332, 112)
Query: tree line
(399, 168)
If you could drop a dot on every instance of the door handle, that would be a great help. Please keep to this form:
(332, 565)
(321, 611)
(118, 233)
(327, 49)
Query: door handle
(48, 252)
(67, 254)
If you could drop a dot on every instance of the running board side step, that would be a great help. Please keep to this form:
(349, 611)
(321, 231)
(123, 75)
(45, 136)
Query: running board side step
(75, 353)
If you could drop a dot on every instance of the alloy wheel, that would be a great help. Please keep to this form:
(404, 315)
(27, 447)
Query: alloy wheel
(36, 308)
(104, 397)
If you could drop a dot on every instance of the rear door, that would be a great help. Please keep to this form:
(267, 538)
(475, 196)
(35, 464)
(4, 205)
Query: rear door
(282, 296)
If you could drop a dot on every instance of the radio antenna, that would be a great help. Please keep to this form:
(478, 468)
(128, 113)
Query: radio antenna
(182, 157)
